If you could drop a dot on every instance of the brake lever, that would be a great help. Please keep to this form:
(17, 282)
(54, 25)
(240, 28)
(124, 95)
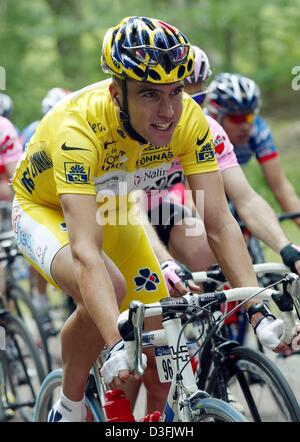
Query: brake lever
(137, 310)
(293, 288)
(286, 301)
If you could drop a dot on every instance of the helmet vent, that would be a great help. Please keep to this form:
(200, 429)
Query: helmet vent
(190, 65)
(154, 75)
(139, 72)
(181, 71)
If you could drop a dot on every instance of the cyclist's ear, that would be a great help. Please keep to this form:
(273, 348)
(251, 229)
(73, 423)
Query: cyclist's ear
(115, 94)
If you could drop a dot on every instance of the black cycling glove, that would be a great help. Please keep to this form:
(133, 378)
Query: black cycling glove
(290, 254)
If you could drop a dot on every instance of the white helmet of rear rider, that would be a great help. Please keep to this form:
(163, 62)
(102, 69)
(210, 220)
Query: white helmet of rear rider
(53, 96)
(202, 69)
(6, 105)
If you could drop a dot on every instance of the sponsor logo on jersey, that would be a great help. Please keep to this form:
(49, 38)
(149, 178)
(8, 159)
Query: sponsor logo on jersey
(114, 158)
(41, 253)
(121, 133)
(146, 178)
(146, 280)
(137, 179)
(97, 127)
(152, 158)
(63, 227)
(77, 173)
(109, 181)
(219, 143)
(39, 162)
(7, 144)
(156, 158)
(202, 139)
(27, 181)
(205, 153)
(155, 155)
(156, 173)
(23, 238)
(107, 143)
(65, 147)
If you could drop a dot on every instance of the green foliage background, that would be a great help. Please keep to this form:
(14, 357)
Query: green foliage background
(44, 43)
(47, 43)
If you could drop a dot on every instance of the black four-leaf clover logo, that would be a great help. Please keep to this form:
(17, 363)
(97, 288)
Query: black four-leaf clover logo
(146, 280)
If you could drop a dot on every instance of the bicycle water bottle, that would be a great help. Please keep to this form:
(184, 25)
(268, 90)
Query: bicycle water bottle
(117, 407)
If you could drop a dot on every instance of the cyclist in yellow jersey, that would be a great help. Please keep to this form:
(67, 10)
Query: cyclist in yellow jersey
(108, 139)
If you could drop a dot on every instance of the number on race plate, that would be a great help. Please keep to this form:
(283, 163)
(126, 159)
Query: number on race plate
(164, 363)
(164, 356)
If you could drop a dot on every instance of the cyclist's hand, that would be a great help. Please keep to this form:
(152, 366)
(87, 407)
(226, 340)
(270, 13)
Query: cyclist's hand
(176, 287)
(291, 257)
(269, 331)
(118, 368)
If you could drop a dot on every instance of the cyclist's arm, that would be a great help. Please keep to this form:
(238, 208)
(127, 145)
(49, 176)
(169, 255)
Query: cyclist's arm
(93, 279)
(225, 238)
(281, 187)
(6, 193)
(6, 190)
(223, 233)
(256, 213)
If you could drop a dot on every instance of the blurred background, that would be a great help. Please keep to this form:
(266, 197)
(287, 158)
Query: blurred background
(48, 43)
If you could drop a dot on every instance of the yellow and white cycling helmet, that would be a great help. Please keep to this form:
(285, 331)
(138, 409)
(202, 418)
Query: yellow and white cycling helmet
(147, 49)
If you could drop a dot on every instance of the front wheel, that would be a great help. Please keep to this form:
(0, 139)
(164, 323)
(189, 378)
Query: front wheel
(255, 386)
(26, 310)
(22, 370)
(215, 410)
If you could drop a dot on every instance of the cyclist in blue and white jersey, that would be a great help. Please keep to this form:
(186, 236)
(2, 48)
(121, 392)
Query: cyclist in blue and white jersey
(234, 100)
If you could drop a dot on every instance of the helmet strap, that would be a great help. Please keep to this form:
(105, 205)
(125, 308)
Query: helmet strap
(125, 118)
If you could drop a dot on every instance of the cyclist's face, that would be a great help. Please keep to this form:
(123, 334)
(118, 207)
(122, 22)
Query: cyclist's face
(238, 128)
(154, 109)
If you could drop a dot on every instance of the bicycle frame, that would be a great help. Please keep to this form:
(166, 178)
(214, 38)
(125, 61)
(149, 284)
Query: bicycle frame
(185, 402)
(183, 387)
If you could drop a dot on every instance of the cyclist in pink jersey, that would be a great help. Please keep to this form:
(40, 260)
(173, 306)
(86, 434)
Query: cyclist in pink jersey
(10, 152)
(171, 223)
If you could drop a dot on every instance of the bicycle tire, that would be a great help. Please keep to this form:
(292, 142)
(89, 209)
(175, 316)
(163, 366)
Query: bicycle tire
(253, 371)
(22, 366)
(18, 295)
(45, 400)
(2, 388)
(215, 410)
(255, 250)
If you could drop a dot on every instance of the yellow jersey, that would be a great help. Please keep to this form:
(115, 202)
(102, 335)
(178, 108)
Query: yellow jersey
(80, 147)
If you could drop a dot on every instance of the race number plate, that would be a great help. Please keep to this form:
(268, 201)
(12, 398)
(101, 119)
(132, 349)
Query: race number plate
(164, 363)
